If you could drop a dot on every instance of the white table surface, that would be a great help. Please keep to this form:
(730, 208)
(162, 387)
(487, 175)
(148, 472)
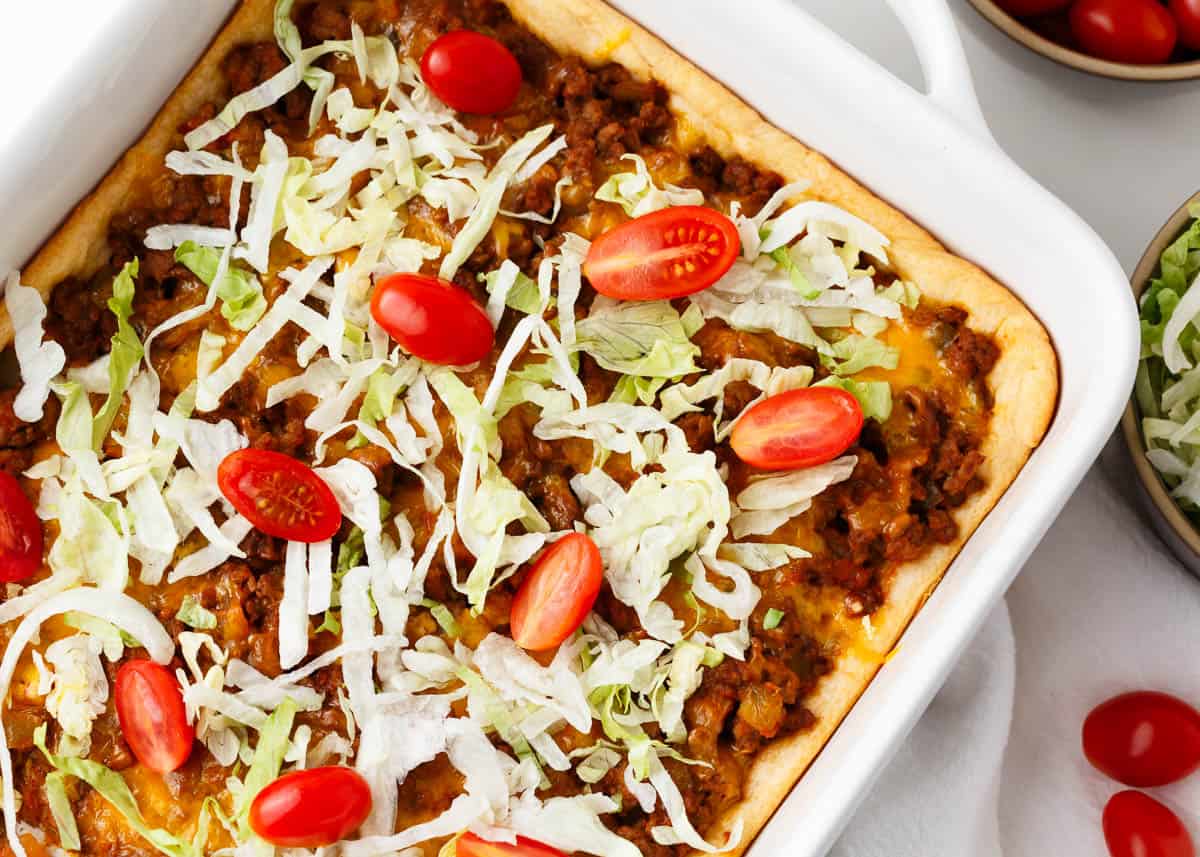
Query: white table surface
(1101, 607)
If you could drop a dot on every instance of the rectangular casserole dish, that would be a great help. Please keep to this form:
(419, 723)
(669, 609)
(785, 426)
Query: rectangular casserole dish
(938, 165)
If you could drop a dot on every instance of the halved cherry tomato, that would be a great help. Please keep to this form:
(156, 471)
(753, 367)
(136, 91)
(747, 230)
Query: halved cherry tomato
(1187, 18)
(664, 254)
(279, 495)
(799, 428)
(471, 72)
(20, 533)
(557, 594)
(311, 808)
(470, 845)
(1136, 825)
(152, 715)
(1129, 31)
(1143, 739)
(432, 319)
(1023, 8)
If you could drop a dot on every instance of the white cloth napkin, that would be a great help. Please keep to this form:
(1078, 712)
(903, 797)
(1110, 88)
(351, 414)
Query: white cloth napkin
(995, 766)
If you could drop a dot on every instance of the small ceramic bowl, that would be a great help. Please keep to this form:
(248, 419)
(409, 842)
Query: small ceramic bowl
(1053, 48)
(1175, 528)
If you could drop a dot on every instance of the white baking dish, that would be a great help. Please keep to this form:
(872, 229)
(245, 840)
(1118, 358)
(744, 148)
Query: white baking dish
(929, 155)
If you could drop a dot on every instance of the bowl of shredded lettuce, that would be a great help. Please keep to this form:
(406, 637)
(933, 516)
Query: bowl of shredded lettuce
(1162, 423)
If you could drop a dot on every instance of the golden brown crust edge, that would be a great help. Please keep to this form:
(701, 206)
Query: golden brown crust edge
(1024, 381)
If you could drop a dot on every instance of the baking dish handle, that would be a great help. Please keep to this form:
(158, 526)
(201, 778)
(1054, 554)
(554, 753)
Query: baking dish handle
(939, 48)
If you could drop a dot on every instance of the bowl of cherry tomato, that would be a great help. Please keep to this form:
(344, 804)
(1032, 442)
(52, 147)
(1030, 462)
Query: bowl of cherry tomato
(1127, 39)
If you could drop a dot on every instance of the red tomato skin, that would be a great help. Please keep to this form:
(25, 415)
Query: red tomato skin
(471, 72)
(1144, 738)
(432, 319)
(152, 715)
(823, 421)
(1136, 825)
(470, 845)
(20, 533)
(311, 808)
(1141, 32)
(1025, 8)
(1187, 18)
(250, 478)
(556, 595)
(665, 254)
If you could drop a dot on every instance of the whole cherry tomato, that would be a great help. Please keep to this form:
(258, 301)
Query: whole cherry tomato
(664, 254)
(1143, 739)
(432, 319)
(1187, 18)
(311, 808)
(279, 495)
(470, 845)
(1129, 31)
(1136, 825)
(557, 593)
(20, 533)
(1025, 8)
(152, 715)
(471, 72)
(799, 428)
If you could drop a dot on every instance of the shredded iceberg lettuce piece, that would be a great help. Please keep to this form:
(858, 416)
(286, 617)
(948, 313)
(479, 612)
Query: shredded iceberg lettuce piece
(645, 338)
(112, 787)
(769, 502)
(637, 193)
(126, 351)
(40, 360)
(240, 292)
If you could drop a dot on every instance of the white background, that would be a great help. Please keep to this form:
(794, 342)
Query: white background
(1101, 607)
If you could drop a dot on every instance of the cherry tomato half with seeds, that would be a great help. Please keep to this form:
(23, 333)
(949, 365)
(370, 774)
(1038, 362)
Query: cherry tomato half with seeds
(279, 495)
(1026, 8)
(1136, 825)
(20, 533)
(471, 72)
(152, 715)
(432, 319)
(1143, 739)
(799, 428)
(557, 593)
(1129, 31)
(1187, 19)
(311, 808)
(470, 845)
(665, 254)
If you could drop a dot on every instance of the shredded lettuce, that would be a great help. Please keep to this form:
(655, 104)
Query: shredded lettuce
(125, 353)
(443, 616)
(192, 614)
(60, 808)
(1168, 380)
(645, 338)
(852, 354)
(273, 742)
(769, 502)
(637, 193)
(479, 223)
(509, 286)
(240, 292)
(772, 618)
(874, 397)
(112, 787)
(39, 360)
